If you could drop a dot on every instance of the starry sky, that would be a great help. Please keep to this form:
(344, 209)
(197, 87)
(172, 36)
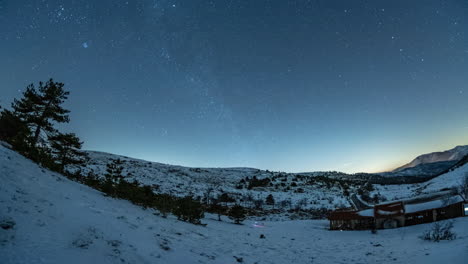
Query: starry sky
(281, 85)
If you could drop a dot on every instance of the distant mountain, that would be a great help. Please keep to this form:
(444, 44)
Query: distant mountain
(423, 170)
(453, 155)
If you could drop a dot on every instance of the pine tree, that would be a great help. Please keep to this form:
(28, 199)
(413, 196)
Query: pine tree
(39, 108)
(92, 180)
(189, 210)
(225, 198)
(66, 149)
(217, 208)
(165, 204)
(114, 170)
(237, 214)
(113, 176)
(13, 130)
(270, 200)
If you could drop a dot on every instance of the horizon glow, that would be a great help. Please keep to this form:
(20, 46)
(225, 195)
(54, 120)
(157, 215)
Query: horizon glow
(311, 86)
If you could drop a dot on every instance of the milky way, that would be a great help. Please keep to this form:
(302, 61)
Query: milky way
(279, 85)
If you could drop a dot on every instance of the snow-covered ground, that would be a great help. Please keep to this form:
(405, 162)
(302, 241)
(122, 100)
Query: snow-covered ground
(55, 220)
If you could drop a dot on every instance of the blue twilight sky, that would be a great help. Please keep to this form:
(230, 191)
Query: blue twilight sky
(280, 85)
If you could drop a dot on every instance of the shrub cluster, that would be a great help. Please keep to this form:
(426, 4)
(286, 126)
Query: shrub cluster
(439, 232)
(255, 182)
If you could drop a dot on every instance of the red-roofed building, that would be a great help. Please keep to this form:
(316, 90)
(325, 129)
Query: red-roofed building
(400, 213)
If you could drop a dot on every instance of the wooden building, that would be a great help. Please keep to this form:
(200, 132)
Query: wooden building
(350, 220)
(400, 213)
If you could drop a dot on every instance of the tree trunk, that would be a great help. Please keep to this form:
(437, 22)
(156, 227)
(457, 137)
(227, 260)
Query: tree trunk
(39, 127)
(36, 135)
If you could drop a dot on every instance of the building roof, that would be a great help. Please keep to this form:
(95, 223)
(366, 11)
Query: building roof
(397, 208)
(346, 215)
(389, 209)
(412, 208)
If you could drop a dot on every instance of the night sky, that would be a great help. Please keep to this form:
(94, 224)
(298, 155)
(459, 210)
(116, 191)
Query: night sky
(281, 85)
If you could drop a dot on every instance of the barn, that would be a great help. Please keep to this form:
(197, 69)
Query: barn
(394, 214)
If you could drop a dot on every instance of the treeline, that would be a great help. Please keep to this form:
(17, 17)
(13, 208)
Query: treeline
(30, 128)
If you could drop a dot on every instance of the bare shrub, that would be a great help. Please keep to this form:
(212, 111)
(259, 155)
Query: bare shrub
(439, 232)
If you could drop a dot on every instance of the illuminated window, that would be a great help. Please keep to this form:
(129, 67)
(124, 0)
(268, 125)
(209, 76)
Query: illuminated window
(466, 209)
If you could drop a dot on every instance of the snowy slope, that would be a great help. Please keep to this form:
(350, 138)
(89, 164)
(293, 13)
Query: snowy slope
(454, 154)
(60, 221)
(450, 180)
(423, 169)
(181, 181)
(293, 187)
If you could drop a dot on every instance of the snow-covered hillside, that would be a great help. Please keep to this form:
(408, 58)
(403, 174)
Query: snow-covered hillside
(423, 169)
(454, 154)
(289, 188)
(319, 191)
(46, 218)
(451, 180)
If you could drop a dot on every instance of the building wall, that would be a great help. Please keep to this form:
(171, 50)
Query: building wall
(352, 224)
(422, 217)
(428, 216)
(419, 218)
(383, 223)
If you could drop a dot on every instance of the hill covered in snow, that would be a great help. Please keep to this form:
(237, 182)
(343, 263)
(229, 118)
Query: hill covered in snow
(313, 193)
(46, 218)
(451, 155)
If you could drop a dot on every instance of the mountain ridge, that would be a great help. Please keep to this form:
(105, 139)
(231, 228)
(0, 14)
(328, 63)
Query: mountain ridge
(454, 154)
(428, 164)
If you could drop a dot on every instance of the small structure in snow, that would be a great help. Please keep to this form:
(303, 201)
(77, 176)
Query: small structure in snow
(400, 213)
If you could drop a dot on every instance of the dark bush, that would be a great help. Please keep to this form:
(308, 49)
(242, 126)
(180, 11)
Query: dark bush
(189, 210)
(237, 214)
(439, 232)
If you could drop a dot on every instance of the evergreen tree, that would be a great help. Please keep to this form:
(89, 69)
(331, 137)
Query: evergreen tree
(217, 208)
(189, 210)
(258, 204)
(369, 187)
(270, 200)
(14, 131)
(66, 149)
(237, 214)
(92, 180)
(225, 198)
(112, 177)
(114, 171)
(165, 204)
(346, 192)
(39, 108)
(141, 195)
